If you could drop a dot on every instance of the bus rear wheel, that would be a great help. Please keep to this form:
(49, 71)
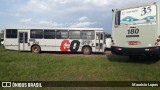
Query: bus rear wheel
(86, 50)
(36, 49)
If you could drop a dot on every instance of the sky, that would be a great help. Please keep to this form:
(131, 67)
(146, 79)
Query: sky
(61, 13)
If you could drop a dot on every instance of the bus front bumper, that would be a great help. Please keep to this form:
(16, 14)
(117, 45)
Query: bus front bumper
(135, 51)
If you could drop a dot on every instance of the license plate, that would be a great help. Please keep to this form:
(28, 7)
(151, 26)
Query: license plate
(133, 43)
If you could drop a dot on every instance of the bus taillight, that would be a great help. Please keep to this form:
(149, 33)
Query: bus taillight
(149, 50)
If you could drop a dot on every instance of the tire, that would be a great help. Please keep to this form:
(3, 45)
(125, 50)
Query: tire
(86, 51)
(36, 49)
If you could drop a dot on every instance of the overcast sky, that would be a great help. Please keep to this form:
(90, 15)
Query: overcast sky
(61, 13)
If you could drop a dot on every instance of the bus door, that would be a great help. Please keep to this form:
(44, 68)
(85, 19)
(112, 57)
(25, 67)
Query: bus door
(99, 41)
(23, 41)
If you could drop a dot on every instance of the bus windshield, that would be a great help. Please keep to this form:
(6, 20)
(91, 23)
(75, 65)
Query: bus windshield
(134, 16)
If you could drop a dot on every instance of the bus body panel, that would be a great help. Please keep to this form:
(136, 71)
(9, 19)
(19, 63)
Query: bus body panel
(45, 44)
(71, 45)
(146, 38)
(11, 44)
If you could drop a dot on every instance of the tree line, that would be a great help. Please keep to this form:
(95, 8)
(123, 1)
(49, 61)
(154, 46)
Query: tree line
(1, 34)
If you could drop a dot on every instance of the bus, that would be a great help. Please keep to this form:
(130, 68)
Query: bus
(85, 40)
(136, 30)
(108, 42)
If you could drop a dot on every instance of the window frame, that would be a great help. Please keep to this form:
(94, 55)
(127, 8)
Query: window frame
(74, 35)
(42, 36)
(60, 36)
(9, 35)
(88, 35)
(50, 30)
(117, 17)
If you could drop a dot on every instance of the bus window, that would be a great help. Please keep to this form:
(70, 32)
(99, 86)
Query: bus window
(49, 34)
(88, 35)
(23, 39)
(36, 34)
(11, 33)
(97, 37)
(117, 18)
(62, 34)
(74, 34)
(101, 37)
(137, 16)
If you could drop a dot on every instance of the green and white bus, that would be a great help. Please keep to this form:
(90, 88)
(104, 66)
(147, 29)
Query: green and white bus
(136, 30)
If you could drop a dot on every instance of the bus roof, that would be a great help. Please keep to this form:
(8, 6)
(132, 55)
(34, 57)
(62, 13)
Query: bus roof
(60, 28)
(137, 5)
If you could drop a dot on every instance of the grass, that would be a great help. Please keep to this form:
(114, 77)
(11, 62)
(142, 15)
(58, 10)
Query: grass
(26, 66)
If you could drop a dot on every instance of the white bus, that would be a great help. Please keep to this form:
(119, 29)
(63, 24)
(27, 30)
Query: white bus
(136, 30)
(85, 40)
(108, 42)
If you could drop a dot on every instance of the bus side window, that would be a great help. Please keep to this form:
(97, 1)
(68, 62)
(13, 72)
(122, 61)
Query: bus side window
(74, 34)
(117, 17)
(88, 35)
(11, 33)
(97, 36)
(36, 33)
(101, 36)
(58, 34)
(49, 34)
(62, 34)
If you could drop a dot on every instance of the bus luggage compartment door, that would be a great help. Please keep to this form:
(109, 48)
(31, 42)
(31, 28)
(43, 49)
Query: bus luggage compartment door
(23, 41)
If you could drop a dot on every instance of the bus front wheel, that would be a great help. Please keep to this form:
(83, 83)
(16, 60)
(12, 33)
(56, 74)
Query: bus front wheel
(36, 49)
(86, 50)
